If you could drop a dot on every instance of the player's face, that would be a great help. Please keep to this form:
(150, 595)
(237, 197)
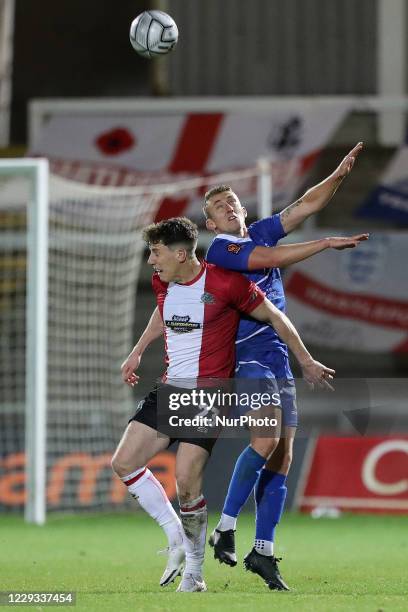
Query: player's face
(226, 214)
(165, 261)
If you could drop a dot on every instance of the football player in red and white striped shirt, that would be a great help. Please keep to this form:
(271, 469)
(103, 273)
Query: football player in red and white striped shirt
(199, 304)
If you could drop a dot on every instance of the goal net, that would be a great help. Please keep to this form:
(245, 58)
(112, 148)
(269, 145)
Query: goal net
(92, 262)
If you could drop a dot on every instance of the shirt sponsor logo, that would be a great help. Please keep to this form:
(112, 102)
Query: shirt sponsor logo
(181, 324)
(233, 248)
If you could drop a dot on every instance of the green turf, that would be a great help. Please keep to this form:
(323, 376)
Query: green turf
(352, 563)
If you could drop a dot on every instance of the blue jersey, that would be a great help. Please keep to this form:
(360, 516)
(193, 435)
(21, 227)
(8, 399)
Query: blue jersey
(233, 253)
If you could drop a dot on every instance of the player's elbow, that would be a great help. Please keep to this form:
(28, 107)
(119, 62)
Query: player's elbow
(277, 320)
(267, 313)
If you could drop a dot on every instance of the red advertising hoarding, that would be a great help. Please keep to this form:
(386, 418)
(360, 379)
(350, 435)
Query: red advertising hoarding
(357, 474)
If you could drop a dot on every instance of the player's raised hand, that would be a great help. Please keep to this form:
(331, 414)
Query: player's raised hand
(347, 163)
(128, 368)
(340, 242)
(315, 373)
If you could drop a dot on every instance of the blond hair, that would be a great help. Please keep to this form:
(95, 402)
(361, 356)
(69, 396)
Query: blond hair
(212, 192)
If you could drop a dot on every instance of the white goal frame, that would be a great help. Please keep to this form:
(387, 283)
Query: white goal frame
(37, 171)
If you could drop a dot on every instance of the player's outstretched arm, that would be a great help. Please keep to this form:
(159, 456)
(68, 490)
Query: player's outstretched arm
(287, 254)
(318, 196)
(153, 330)
(314, 372)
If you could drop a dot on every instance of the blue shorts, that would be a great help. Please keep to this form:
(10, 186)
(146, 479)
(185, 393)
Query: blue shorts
(272, 374)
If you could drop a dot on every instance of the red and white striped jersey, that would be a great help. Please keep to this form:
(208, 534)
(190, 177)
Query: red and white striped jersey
(201, 319)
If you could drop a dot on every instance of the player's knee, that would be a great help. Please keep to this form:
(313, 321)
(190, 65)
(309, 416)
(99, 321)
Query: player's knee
(264, 446)
(280, 461)
(117, 465)
(121, 466)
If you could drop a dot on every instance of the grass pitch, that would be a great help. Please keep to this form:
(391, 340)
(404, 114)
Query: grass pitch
(354, 563)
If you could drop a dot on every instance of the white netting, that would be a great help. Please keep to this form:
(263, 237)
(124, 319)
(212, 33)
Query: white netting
(94, 257)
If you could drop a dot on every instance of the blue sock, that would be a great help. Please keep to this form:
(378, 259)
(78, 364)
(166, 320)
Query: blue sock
(270, 495)
(244, 477)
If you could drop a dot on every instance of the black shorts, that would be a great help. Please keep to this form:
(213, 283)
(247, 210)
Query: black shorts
(146, 413)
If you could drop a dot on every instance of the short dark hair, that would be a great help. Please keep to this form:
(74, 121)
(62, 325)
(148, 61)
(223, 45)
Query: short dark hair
(178, 230)
(212, 192)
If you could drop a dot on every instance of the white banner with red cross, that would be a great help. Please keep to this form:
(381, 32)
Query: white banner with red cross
(140, 148)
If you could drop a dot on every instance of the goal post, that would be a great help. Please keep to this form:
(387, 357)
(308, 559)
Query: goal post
(36, 351)
(36, 170)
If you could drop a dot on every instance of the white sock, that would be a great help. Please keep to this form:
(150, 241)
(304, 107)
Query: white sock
(144, 487)
(194, 520)
(264, 547)
(227, 522)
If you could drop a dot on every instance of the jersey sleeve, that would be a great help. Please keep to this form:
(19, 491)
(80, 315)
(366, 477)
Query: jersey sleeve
(244, 294)
(231, 255)
(269, 230)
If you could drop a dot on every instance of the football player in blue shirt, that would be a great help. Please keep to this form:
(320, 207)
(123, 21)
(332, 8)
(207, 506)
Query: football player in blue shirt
(263, 357)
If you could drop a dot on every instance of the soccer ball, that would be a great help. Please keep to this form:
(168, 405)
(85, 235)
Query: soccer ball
(153, 33)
